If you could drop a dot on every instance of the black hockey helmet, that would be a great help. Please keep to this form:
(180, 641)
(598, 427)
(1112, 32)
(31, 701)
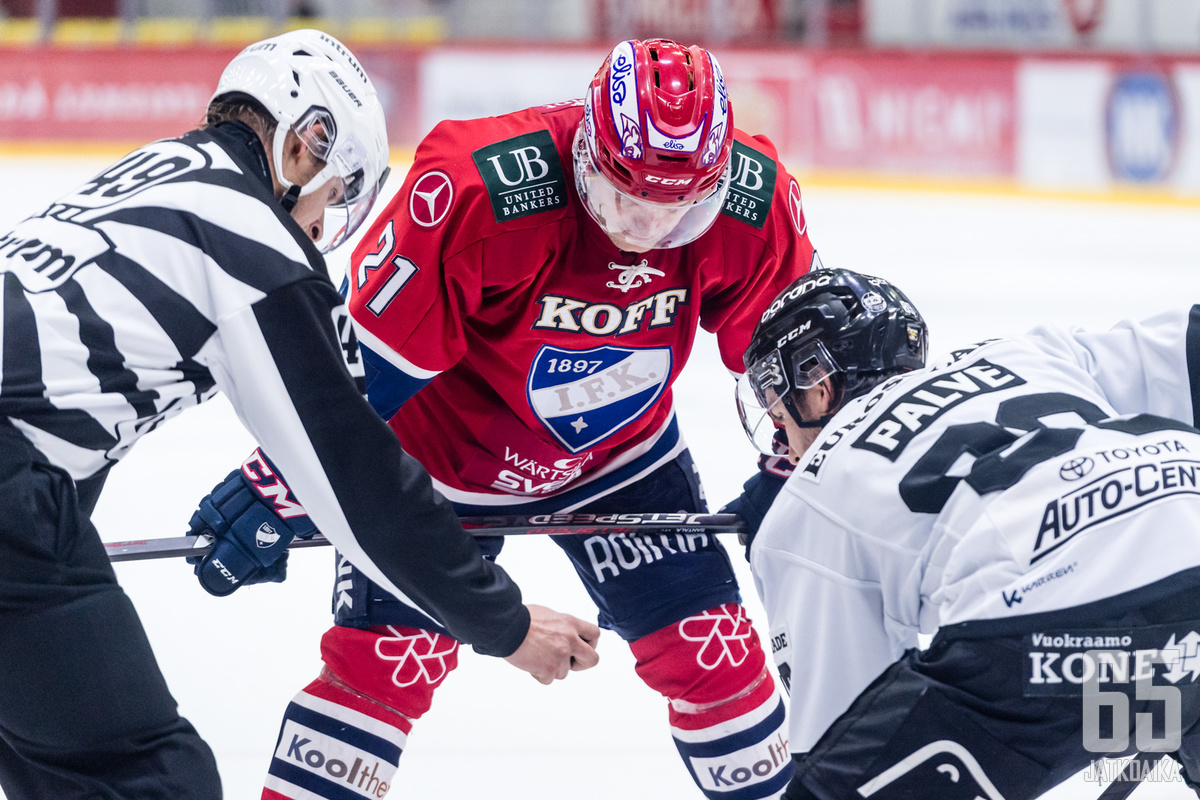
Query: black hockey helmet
(831, 323)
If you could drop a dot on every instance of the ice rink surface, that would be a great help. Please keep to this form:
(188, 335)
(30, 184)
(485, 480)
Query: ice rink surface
(976, 265)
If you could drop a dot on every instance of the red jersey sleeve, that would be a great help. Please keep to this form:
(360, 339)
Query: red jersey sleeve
(414, 277)
(765, 246)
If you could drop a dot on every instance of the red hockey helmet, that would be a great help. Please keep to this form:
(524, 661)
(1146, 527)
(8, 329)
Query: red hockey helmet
(658, 128)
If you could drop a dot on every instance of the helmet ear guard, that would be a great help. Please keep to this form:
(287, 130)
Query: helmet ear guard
(852, 329)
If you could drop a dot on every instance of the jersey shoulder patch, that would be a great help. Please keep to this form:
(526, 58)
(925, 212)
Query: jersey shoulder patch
(751, 187)
(523, 175)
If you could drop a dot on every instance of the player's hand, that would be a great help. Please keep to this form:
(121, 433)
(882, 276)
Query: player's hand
(759, 492)
(555, 645)
(249, 539)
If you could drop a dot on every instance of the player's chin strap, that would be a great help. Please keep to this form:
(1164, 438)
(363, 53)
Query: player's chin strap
(819, 422)
(838, 386)
(290, 197)
(790, 404)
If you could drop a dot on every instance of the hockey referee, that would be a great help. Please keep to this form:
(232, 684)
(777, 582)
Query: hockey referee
(190, 266)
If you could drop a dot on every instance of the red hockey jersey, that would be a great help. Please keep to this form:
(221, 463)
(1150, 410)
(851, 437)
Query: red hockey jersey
(551, 352)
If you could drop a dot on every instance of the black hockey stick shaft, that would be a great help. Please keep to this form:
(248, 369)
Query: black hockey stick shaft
(1130, 777)
(540, 524)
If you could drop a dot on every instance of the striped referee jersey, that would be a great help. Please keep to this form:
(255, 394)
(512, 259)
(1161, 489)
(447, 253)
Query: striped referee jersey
(174, 274)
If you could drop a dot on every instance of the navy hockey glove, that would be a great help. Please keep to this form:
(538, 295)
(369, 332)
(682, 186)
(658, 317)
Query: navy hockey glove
(759, 492)
(252, 517)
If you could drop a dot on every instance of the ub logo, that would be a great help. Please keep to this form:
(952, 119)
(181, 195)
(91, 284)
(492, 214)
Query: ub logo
(724, 635)
(420, 657)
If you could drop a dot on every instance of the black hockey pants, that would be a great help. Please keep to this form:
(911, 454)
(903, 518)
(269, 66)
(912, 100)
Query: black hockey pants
(85, 712)
(994, 708)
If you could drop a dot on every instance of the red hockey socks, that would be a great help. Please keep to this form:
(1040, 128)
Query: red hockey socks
(726, 716)
(343, 734)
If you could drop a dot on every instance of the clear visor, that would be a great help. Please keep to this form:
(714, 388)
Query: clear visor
(757, 420)
(637, 225)
(346, 161)
(810, 364)
(343, 218)
(761, 389)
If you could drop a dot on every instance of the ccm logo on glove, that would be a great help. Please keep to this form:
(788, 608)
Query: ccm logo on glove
(251, 517)
(271, 487)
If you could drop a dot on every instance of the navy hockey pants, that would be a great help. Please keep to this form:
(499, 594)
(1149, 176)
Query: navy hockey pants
(84, 710)
(995, 708)
(637, 590)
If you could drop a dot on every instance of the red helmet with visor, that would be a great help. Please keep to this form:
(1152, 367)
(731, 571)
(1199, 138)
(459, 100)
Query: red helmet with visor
(657, 129)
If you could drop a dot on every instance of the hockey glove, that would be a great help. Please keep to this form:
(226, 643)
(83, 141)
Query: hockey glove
(252, 517)
(759, 492)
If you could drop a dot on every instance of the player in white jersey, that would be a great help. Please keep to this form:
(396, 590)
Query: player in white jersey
(188, 267)
(1033, 500)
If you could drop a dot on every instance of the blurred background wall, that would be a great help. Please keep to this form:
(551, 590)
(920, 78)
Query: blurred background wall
(1092, 96)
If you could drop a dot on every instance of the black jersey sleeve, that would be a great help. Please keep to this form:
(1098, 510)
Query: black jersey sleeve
(294, 376)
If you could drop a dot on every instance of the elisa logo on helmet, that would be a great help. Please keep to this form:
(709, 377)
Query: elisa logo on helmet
(716, 134)
(658, 106)
(622, 100)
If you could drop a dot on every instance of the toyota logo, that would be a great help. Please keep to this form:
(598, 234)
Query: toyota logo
(1076, 468)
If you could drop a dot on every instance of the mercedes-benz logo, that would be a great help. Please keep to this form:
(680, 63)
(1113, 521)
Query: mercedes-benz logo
(1076, 468)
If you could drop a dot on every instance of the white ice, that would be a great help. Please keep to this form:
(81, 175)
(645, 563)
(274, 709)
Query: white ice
(976, 265)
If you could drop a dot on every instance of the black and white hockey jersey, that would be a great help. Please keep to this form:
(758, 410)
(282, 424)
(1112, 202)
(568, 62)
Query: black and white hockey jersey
(174, 274)
(1014, 477)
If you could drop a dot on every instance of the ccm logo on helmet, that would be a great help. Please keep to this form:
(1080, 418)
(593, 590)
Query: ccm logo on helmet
(668, 181)
(793, 334)
(797, 291)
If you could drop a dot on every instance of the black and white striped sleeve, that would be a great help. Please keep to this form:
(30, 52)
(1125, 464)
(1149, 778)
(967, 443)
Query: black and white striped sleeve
(282, 364)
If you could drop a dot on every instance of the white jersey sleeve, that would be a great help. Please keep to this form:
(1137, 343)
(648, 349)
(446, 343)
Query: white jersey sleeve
(1147, 366)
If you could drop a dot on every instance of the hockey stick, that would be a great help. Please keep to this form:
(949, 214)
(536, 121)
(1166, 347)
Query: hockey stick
(1130, 777)
(545, 524)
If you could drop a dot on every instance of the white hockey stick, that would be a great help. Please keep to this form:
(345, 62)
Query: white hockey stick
(543, 524)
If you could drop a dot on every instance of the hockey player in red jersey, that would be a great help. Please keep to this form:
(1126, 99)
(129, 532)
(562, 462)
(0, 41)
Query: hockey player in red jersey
(531, 294)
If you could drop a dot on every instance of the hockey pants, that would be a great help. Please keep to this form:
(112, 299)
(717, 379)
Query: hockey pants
(673, 599)
(84, 710)
(996, 708)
